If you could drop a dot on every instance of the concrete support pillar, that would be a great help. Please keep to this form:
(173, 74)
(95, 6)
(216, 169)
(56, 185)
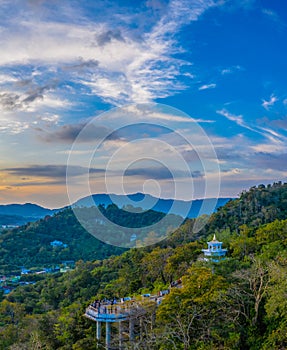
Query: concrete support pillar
(108, 335)
(98, 330)
(120, 335)
(131, 327)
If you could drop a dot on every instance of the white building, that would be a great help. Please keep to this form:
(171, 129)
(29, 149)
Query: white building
(214, 252)
(58, 244)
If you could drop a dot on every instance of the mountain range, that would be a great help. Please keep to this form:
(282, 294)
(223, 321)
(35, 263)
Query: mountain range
(25, 210)
(19, 214)
(190, 209)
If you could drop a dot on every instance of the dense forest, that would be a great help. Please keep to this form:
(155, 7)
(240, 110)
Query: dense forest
(30, 245)
(238, 303)
(14, 220)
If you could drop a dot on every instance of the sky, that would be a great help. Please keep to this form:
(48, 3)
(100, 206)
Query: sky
(208, 77)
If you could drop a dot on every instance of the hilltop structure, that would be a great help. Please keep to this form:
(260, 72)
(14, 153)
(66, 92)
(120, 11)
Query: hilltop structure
(214, 252)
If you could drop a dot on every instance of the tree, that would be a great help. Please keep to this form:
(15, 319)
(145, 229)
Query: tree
(154, 263)
(199, 312)
(254, 282)
(181, 259)
(276, 306)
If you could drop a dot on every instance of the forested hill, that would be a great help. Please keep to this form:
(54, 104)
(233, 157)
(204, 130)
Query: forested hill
(25, 210)
(30, 245)
(259, 205)
(236, 304)
(20, 214)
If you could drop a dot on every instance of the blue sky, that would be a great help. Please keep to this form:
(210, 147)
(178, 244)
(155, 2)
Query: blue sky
(222, 63)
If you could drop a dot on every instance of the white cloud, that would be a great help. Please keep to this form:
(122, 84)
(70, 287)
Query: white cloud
(234, 171)
(15, 101)
(50, 118)
(269, 103)
(13, 126)
(128, 69)
(269, 148)
(6, 78)
(48, 101)
(231, 69)
(207, 86)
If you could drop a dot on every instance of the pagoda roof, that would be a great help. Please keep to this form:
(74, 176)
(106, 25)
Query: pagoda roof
(214, 240)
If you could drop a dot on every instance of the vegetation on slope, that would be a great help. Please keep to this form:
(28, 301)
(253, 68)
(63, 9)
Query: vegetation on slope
(30, 246)
(239, 303)
(259, 205)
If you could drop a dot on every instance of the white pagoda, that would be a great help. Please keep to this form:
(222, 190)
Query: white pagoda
(214, 252)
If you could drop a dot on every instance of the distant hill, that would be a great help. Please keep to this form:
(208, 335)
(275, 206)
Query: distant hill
(25, 210)
(20, 214)
(30, 245)
(190, 209)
